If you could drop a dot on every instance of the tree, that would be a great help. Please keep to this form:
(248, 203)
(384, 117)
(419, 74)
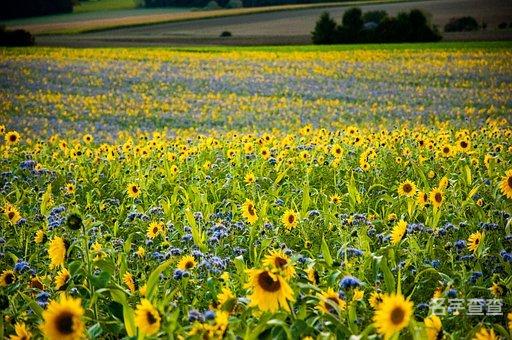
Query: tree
(325, 30)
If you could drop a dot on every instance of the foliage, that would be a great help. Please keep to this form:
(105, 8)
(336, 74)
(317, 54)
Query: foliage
(11, 9)
(15, 38)
(461, 24)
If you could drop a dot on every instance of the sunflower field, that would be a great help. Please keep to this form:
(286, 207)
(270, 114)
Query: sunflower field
(309, 193)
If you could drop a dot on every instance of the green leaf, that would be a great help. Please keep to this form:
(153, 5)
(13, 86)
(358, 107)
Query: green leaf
(46, 200)
(326, 253)
(95, 331)
(128, 315)
(389, 279)
(33, 305)
(152, 287)
(100, 280)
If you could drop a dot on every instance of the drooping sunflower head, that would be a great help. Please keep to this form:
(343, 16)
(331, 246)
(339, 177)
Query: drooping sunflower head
(398, 232)
(485, 334)
(63, 319)
(129, 282)
(422, 199)
(407, 188)
(57, 252)
(187, 262)
(61, 279)
(375, 299)
(147, 318)
(330, 302)
(22, 332)
(393, 314)
(290, 219)
(280, 262)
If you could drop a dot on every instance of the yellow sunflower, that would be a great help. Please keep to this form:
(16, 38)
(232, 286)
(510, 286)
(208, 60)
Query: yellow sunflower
(187, 262)
(436, 197)
(70, 188)
(57, 252)
(129, 282)
(7, 278)
(506, 184)
(147, 318)
(335, 199)
(12, 214)
(22, 333)
(474, 241)
(509, 317)
(250, 178)
(249, 211)
(133, 190)
(290, 219)
(422, 199)
(12, 137)
(40, 237)
(434, 327)
(398, 232)
(278, 260)
(312, 275)
(269, 291)
(407, 188)
(61, 279)
(63, 319)
(393, 314)
(337, 151)
(330, 302)
(375, 299)
(485, 334)
(154, 229)
(225, 296)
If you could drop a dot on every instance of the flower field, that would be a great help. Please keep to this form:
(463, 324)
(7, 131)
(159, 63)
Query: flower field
(256, 193)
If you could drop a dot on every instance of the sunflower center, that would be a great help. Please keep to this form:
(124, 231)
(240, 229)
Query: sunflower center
(11, 215)
(135, 190)
(446, 150)
(397, 316)
(477, 241)
(64, 323)
(189, 265)
(155, 229)
(280, 262)
(268, 284)
(509, 181)
(438, 197)
(407, 187)
(463, 144)
(330, 301)
(9, 278)
(151, 318)
(12, 138)
(291, 219)
(250, 209)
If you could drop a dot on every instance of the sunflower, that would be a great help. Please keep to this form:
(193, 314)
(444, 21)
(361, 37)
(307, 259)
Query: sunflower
(88, 138)
(446, 150)
(70, 188)
(154, 229)
(422, 199)
(336, 151)
(140, 251)
(6, 278)
(61, 279)
(436, 197)
(63, 319)
(289, 219)
(40, 236)
(509, 317)
(335, 199)
(278, 260)
(312, 275)
(129, 282)
(434, 327)
(187, 262)
(249, 211)
(12, 137)
(147, 317)
(249, 178)
(474, 241)
(358, 294)
(407, 188)
(464, 145)
(12, 214)
(57, 252)
(22, 333)
(375, 299)
(506, 184)
(36, 283)
(133, 190)
(485, 334)
(498, 290)
(330, 302)
(398, 232)
(393, 314)
(269, 291)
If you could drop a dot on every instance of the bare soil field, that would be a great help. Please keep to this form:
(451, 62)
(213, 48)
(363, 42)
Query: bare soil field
(287, 27)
